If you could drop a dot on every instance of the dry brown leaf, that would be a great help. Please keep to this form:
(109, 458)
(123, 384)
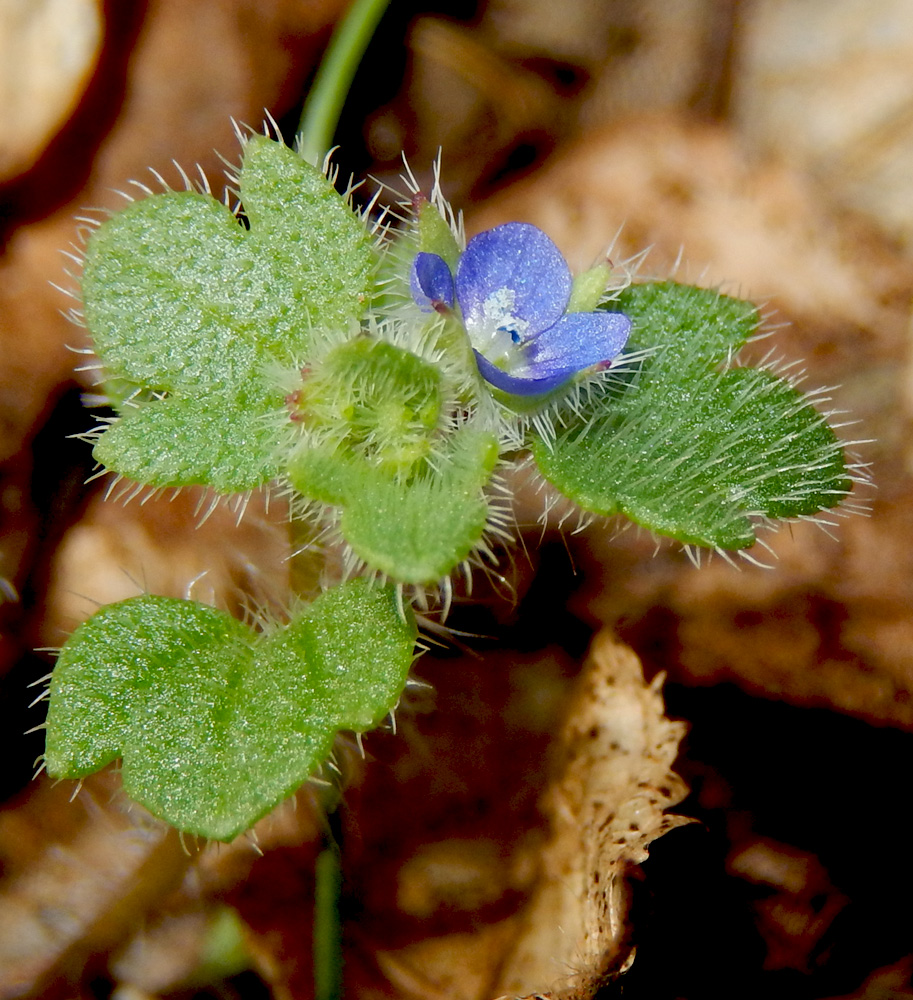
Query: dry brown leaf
(828, 84)
(607, 802)
(830, 624)
(48, 51)
(167, 546)
(455, 966)
(78, 877)
(464, 892)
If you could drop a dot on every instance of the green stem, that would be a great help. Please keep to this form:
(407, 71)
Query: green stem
(307, 562)
(334, 78)
(327, 929)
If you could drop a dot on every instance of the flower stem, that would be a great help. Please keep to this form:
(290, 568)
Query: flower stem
(323, 106)
(327, 930)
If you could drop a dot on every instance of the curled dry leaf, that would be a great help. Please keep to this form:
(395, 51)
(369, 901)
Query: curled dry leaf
(606, 804)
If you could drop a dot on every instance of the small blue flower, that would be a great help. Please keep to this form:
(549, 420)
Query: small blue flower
(512, 287)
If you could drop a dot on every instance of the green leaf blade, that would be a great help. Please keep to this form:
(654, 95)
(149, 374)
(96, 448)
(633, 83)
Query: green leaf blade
(124, 646)
(217, 724)
(358, 649)
(299, 221)
(690, 447)
(420, 532)
(206, 441)
(685, 324)
(160, 289)
(190, 309)
(416, 530)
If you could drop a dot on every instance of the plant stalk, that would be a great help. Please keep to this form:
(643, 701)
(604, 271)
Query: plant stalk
(323, 106)
(327, 929)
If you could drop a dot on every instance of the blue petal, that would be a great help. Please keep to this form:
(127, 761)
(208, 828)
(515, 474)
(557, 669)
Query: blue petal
(576, 342)
(518, 257)
(431, 282)
(506, 382)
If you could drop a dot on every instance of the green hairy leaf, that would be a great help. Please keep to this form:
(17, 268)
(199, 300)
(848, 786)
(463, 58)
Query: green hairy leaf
(415, 530)
(378, 444)
(216, 723)
(691, 447)
(194, 316)
(374, 400)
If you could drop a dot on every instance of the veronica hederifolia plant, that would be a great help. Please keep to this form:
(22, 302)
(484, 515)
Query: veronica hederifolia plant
(387, 379)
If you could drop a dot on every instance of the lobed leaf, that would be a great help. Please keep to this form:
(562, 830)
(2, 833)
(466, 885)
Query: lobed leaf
(215, 723)
(198, 313)
(693, 448)
(415, 530)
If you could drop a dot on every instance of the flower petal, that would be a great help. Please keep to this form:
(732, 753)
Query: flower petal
(431, 282)
(518, 259)
(576, 342)
(521, 386)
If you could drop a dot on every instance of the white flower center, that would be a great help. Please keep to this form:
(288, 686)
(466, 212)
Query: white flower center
(500, 330)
